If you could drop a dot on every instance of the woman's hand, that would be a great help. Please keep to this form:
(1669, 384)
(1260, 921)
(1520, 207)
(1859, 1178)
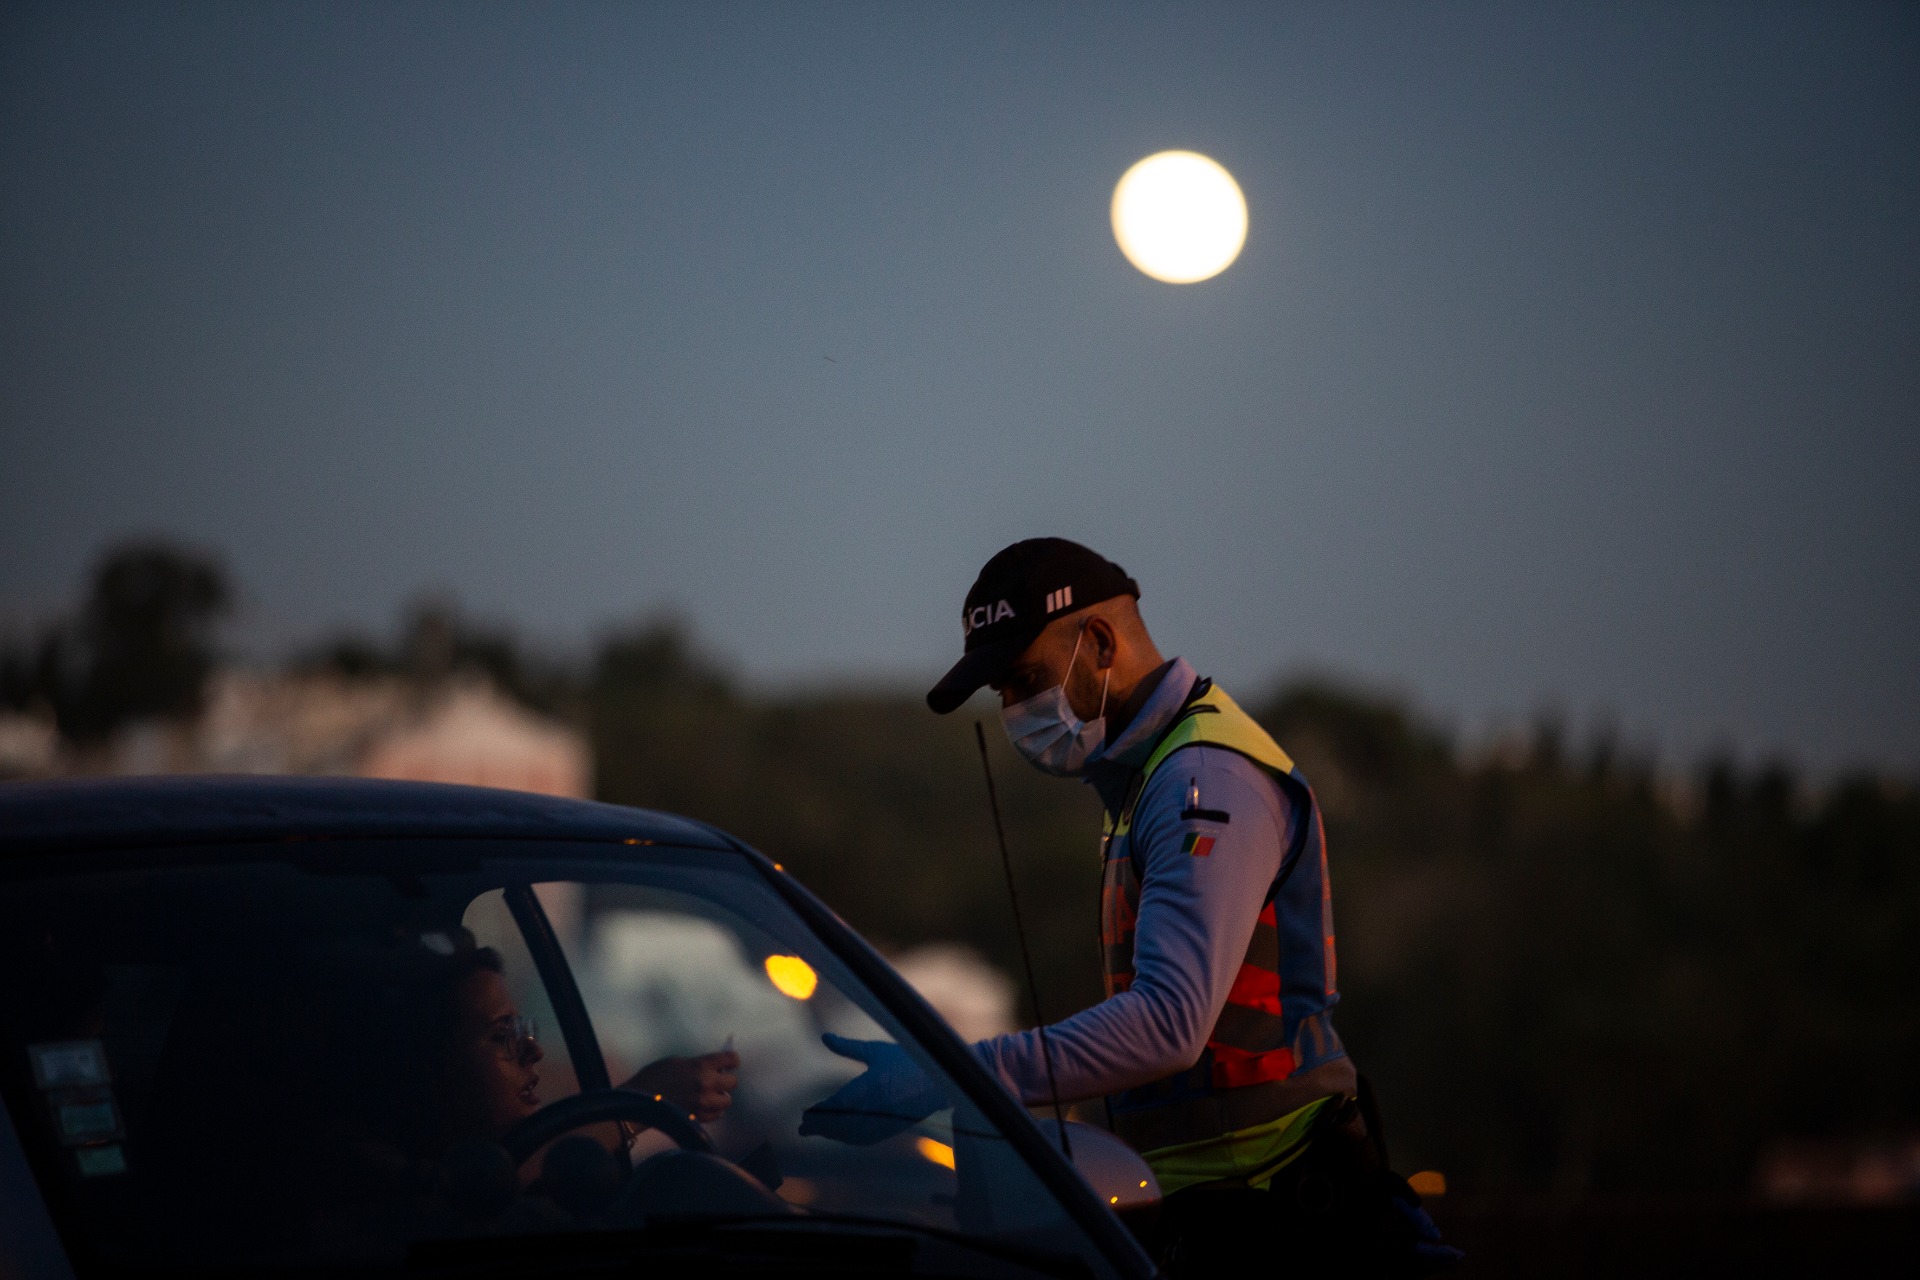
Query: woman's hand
(702, 1087)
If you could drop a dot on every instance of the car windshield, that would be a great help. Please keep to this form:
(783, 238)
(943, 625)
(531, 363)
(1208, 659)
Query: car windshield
(359, 1053)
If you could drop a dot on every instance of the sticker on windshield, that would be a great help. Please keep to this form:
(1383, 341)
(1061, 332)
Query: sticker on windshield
(100, 1162)
(68, 1064)
(86, 1118)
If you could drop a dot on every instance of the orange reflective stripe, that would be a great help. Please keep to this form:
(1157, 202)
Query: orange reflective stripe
(1236, 1068)
(1256, 988)
(1117, 917)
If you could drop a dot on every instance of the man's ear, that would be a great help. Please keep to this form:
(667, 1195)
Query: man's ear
(1103, 641)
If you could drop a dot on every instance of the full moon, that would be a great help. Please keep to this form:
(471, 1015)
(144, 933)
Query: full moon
(1179, 217)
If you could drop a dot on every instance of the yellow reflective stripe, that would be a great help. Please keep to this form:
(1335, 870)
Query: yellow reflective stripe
(1224, 724)
(1246, 1157)
(1221, 724)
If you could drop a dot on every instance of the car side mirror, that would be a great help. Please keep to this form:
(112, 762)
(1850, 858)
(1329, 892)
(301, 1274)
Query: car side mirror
(1123, 1181)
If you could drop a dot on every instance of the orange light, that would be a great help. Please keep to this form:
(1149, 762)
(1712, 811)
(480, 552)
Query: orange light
(1429, 1183)
(791, 976)
(938, 1152)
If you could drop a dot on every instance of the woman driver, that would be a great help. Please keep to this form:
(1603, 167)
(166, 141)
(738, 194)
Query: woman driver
(415, 1050)
(491, 1084)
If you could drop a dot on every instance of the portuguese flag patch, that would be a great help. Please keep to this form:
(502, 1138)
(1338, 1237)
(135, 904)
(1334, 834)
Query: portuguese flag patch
(1196, 844)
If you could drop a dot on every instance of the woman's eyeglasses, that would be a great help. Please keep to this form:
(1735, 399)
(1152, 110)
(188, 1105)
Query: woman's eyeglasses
(514, 1038)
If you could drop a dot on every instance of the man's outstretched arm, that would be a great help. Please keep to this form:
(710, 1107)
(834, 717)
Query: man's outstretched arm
(1197, 912)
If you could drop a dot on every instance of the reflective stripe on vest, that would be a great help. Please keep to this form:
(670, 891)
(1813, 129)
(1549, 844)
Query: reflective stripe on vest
(1274, 1020)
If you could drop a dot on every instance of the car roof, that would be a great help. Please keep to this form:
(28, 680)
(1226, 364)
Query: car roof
(82, 813)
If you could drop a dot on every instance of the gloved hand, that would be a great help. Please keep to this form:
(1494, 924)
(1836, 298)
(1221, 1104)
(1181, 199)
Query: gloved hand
(890, 1095)
(1429, 1253)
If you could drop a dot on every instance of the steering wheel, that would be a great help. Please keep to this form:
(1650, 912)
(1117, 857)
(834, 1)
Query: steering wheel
(693, 1180)
(599, 1105)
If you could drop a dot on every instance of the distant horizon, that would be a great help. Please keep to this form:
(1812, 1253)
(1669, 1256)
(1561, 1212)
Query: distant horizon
(1582, 728)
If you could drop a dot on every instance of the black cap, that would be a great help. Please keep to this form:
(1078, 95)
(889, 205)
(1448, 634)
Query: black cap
(1017, 594)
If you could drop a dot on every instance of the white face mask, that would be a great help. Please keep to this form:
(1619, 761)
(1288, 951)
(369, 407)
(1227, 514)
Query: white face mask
(1045, 730)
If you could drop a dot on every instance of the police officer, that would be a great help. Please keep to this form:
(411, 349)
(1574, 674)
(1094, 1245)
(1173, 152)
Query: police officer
(1214, 1052)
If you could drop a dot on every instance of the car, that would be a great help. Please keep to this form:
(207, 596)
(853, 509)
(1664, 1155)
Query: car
(336, 1024)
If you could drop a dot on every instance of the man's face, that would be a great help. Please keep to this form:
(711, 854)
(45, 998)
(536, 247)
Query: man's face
(1046, 661)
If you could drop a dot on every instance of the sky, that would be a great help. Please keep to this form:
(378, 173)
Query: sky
(1573, 359)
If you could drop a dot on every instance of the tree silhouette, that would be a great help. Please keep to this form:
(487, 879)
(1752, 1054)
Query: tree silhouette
(142, 646)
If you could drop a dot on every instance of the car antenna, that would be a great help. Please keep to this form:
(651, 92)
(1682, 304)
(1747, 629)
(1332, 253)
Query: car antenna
(1026, 953)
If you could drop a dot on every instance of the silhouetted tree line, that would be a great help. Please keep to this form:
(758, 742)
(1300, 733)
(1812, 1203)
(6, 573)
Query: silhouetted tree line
(141, 646)
(1565, 976)
(438, 641)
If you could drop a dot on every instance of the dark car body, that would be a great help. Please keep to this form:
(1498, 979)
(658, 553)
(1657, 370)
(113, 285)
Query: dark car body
(277, 867)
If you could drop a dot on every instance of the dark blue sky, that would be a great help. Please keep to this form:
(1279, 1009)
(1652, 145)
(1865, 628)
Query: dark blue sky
(1574, 355)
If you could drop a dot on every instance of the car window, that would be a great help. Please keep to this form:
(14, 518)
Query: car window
(491, 922)
(328, 1060)
(667, 973)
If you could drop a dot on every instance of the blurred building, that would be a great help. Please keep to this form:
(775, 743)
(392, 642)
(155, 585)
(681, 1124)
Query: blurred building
(959, 983)
(457, 730)
(1878, 1171)
(29, 745)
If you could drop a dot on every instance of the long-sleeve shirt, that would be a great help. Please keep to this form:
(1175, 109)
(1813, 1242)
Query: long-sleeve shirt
(1195, 917)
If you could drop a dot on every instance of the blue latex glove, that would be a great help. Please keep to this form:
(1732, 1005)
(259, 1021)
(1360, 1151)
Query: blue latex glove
(1430, 1254)
(891, 1094)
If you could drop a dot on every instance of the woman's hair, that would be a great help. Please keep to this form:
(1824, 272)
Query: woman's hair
(388, 1023)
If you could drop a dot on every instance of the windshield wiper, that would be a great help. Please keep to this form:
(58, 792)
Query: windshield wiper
(797, 1245)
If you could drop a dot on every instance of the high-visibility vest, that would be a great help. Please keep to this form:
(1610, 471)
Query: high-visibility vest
(1275, 1022)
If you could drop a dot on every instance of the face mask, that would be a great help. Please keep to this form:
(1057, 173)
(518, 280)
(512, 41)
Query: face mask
(1045, 730)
